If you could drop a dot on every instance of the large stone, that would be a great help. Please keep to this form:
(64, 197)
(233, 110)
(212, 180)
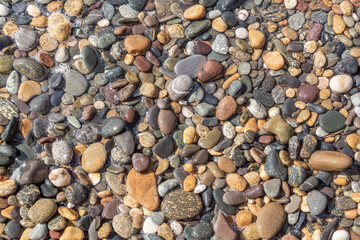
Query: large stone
(59, 27)
(30, 68)
(329, 161)
(270, 220)
(136, 44)
(143, 188)
(278, 126)
(42, 210)
(75, 83)
(180, 205)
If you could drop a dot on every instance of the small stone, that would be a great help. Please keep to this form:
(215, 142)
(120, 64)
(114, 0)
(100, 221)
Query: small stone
(4, 11)
(243, 218)
(278, 126)
(339, 24)
(60, 177)
(112, 126)
(220, 44)
(167, 121)
(272, 187)
(122, 224)
(296, 175)
(210, 71)
(332, 121)
(62, 152)
(136, 44)
(30, 68)
(73, 7)
(77, 87)
(8, 187)
(28, 195)
(273, 60)
(180, 87)
(195, 12)
(76, 193)
(12, 83)
(274, 167)
(72, 232)
(307, 93)
(257, 39)
(35, 171)
(317, 202)
(226, 108)
(94, 158)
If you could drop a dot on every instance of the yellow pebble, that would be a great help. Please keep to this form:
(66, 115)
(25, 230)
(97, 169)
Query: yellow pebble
(290, 92)
(189, 183)
(324, 93)
(341, 181)
(219, 25)
(300, 105)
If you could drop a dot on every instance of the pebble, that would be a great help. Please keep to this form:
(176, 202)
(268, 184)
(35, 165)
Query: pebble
(42, 210)
(307, 93)
(181, 205)
(59, 27)
(92, 162)
(62, 152)
(317, 202)
(136, 44)
(341, 83)
(75, 88)
(320, 161)
(189, 66)
(180, 87)
(142, 187)
(270, 220)
(179, 119)
(26, 39)
(30, 68)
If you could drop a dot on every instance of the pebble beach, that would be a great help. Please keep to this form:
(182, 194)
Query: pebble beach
(180, 119)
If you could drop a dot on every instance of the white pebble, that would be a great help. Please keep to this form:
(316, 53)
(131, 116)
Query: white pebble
(189, 48)
(290, 4)
(93, 40)
(243, 14)
(199, 189)
(4, 11)
(320, 132)
(187, 112)
(33, 11)
(103, 23)
(213, 14)
(340, 235)
(94, 178)
(341, 83)
(229, 130)
(149, 226)
(60, 177)
(273, 112)
(176, 227)
(241, 33)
